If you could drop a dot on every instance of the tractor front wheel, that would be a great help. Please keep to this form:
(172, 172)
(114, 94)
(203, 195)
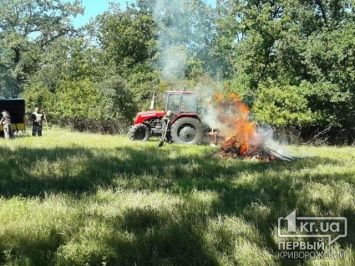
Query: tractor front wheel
(187, 130)
(139, 132)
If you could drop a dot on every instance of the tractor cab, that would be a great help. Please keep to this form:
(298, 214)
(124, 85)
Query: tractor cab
(181, 102)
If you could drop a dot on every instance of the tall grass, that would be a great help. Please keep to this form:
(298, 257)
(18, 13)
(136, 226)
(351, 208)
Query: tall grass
(71, 198)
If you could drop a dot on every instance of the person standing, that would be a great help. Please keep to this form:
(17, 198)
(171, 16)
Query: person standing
(6, 123)
(37, 118)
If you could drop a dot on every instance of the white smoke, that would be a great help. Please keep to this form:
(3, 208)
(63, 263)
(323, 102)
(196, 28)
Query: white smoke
(211, 118)
(177, 37)
(174, 61)
(172, 58)
(266, 135)
(162, 7)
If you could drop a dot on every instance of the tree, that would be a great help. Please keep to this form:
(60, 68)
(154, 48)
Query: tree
(126, 39)
(27, 28)
(305, 47)
(64, 60)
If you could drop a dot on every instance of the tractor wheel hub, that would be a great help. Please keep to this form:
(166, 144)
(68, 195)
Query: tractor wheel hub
(187, 133)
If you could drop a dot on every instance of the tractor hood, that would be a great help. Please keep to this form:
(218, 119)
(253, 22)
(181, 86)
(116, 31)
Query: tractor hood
(143, 116)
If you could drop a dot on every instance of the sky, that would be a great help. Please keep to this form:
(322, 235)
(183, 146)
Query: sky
(94, 8)
(97, 7)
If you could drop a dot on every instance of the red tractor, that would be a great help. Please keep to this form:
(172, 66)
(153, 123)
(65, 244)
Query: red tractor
(184, 125)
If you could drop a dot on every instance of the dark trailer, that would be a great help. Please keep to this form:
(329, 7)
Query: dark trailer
(16, 108)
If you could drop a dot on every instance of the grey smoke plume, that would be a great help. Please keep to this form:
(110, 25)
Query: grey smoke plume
(206, 89)
(266, 135)
(173, 58)
(211, 118)
(179, 35)
(174, 61)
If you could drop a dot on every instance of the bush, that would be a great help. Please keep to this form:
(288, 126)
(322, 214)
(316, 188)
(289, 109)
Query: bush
(283, 106)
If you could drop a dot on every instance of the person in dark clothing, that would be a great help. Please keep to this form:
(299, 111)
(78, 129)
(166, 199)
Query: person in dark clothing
(6, 123)
(167, 118)
(37, 118)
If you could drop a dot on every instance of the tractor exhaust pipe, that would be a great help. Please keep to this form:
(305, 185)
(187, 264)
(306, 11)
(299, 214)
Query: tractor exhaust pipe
(152, 103)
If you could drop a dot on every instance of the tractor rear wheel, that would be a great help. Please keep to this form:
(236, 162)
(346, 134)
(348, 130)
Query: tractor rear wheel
(139, 132)
(187, 130)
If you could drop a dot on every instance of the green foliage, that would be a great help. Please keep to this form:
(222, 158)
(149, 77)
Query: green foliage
(117, 100)
(77, 100)
(39, 95)
(127, 48)
(305, 48)
(283, 106)
(126, 37)
(332, 105)
(27, 27)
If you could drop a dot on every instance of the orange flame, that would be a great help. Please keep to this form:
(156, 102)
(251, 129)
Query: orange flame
(234, 114)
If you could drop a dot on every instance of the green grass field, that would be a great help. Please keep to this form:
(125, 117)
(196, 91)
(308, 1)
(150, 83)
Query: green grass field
(71, 198)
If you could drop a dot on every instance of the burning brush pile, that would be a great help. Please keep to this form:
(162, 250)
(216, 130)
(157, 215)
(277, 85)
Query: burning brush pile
(243, 138)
